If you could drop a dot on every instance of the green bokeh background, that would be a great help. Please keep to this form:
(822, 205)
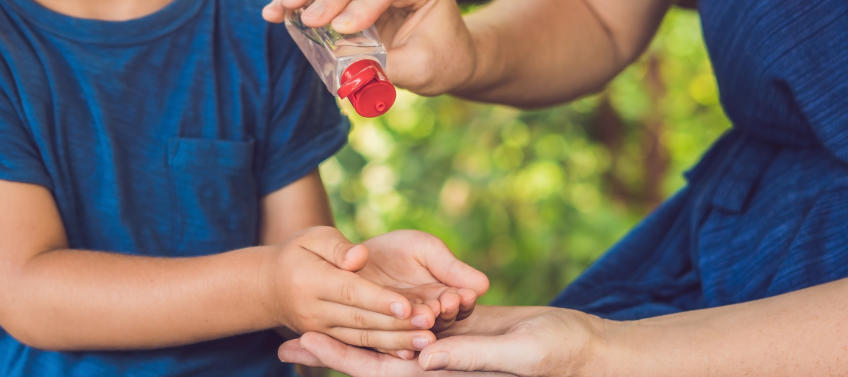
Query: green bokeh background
(532, 198)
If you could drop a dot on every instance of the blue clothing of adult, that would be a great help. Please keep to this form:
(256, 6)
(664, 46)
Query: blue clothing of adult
(766, 210)
(158, 136)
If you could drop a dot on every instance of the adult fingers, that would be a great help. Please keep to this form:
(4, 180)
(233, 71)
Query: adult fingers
(332, 246)
(292, 4)
(352, 290)
(360, 15)
(293, 352)
(393, 340)
(505, 354)
(321, 12)
(274, 12)
(355, 361)
(359, 362)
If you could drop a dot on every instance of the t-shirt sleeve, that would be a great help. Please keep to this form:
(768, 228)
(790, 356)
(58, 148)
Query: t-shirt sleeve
(306, 125)
(20, 160)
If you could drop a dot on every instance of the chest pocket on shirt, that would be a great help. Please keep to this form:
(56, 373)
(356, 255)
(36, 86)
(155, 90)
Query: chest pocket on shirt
(214, 194)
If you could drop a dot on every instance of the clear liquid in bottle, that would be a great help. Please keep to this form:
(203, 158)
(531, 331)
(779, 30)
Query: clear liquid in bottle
(350, 65)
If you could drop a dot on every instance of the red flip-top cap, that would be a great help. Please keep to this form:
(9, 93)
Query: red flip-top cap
(366, 86)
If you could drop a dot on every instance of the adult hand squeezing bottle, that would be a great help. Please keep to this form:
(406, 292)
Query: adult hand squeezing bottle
(351, 65)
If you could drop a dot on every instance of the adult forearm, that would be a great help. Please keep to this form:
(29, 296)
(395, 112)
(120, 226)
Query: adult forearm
(796, 334)
(75, 300)
(540, 52)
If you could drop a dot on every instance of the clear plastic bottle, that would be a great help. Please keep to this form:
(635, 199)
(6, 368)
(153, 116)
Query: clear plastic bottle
(351, 65)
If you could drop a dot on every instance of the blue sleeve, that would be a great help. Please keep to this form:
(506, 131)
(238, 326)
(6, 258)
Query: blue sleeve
(306, 125)
(19, 157)
(819, 251)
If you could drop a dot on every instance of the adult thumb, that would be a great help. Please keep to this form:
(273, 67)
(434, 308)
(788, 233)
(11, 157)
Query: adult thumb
(475, 354)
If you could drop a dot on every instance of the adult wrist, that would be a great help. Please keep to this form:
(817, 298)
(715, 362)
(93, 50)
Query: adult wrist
(487, 63)
(594, 357)
(617, 352)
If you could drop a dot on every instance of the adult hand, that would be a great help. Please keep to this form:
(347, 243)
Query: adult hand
(430, 50)
(519, 341)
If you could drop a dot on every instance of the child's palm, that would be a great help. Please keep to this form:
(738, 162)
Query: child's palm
(422, 268)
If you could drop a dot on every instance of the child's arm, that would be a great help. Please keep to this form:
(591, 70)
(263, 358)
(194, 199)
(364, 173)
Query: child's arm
(414, 263)
(55, 298)
(298, 206)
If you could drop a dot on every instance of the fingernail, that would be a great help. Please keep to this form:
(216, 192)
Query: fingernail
(397, 310)
(437, 360)
(314, 11)
(420, 342)
(421, 322)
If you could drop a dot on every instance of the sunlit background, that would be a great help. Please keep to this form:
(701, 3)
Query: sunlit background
(533, 197)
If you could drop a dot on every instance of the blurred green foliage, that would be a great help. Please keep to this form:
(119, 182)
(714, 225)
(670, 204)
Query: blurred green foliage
(533, 197)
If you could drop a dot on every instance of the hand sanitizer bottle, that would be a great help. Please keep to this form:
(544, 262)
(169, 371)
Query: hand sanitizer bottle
(351, 65)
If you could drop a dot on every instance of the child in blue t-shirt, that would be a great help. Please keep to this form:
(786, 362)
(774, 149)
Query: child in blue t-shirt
(146, 148)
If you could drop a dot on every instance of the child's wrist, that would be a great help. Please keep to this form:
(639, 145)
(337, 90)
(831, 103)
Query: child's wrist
(267, 284)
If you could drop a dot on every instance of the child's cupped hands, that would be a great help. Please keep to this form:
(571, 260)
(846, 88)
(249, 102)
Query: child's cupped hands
(387, 293)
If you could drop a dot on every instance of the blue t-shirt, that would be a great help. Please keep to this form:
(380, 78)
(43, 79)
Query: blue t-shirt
(158, 136)
(766, 209)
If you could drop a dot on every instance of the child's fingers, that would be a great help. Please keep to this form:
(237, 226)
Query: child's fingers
(396, 340)
(332, 246)
(467, 302)
(449, 301)
(351, 290)
(339, 315)
(423, 317)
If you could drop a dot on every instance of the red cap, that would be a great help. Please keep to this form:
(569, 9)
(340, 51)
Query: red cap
(365, 84)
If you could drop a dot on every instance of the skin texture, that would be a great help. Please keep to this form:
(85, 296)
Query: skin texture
(303, 277)
(67, 299)
(433, 50)
(115, 10)
(795, 334)
(502, 54)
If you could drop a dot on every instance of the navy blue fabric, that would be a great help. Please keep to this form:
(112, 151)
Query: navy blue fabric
(158, 136)
(766, 210)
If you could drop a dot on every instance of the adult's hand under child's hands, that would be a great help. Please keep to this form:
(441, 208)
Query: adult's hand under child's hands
(430, 50)
(494, 341)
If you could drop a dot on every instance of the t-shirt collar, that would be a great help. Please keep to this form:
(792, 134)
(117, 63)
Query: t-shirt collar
(146, 28)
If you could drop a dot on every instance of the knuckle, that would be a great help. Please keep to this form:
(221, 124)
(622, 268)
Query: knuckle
(365, 338)
(346, 293)
(359, 319)
(320, 230)
(339, 251)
